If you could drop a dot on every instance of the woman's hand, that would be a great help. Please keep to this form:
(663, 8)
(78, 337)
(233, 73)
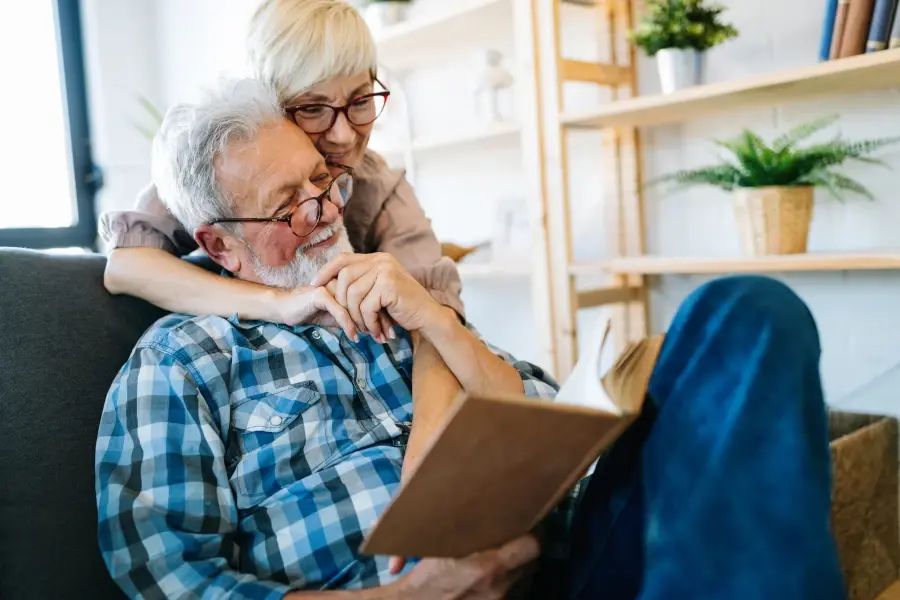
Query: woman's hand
(311, 305)
(368, 284)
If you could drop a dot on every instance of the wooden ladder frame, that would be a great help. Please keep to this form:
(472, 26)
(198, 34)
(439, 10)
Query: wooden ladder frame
(621, 162)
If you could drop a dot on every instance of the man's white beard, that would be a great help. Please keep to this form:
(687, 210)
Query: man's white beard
(301, 271)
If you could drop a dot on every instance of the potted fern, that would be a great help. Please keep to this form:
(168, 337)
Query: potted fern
(772, 184)
(678, 33)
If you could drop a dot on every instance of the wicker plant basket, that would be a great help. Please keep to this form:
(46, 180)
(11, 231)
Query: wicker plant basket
(773, 220)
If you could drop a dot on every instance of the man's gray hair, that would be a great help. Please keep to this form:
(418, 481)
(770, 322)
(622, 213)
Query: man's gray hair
(193, 135)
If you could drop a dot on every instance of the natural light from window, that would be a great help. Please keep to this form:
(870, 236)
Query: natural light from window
(37, 188)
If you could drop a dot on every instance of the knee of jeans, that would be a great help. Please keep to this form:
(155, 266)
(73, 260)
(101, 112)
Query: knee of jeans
(763, 300)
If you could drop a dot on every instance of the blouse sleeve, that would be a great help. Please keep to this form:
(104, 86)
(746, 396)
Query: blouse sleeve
(149, 225)
(403, 230)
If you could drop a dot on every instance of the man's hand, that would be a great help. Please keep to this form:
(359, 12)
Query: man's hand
(483, 576)
(366, 284)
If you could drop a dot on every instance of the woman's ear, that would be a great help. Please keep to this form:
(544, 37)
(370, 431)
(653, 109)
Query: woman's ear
(219, 246)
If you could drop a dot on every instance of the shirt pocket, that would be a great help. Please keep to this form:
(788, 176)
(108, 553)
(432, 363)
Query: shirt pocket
(279, 437)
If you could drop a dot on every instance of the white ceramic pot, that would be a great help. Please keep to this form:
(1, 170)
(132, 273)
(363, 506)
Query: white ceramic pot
(380, 15)
(679, 69)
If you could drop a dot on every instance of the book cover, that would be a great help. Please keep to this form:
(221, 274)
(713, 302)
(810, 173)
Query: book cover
(856, 29)
(498, 465)
(828, 29)
(880, 27)
(840, 20)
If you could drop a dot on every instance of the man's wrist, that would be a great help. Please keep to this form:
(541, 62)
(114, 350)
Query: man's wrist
(440, 325)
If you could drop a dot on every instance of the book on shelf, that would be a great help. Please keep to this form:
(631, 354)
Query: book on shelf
(894, 35)
(856, 28)
(840, 20)
(880, 27)
(828, 29)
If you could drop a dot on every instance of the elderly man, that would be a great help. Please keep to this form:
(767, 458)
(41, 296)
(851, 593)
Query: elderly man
(247, 459)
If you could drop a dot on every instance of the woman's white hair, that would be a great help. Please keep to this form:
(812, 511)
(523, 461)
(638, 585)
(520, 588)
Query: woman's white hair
(193, 135)
(296, 44)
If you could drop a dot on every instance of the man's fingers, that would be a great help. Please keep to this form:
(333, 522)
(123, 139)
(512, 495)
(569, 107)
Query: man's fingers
(358, 303)
(519, 552)
(325, 301)
(372, 309)
(396, 564)
(334, 266)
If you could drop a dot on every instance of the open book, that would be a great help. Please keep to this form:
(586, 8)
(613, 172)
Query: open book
(498, 465)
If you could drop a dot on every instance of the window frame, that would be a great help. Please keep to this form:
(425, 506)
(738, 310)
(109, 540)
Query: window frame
(85, 175)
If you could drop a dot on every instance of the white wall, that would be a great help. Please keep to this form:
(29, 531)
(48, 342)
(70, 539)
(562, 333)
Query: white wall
(188, 42)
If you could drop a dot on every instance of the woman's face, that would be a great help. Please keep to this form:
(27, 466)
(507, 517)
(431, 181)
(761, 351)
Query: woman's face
(344, 142)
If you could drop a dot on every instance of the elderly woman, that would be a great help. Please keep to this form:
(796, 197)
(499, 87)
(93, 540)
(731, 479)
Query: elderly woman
(320, 57)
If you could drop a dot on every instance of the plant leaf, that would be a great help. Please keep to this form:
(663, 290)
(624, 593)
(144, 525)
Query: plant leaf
(802, 132)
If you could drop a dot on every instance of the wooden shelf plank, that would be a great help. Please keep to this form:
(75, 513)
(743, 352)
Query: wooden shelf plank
(428, 145)
(419, 39)
(494, 270)
(663, 265)
(879, 70)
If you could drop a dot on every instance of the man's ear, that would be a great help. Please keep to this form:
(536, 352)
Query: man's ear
(219, 246)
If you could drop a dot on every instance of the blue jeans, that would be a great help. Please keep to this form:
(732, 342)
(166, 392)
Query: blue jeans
(721, 489)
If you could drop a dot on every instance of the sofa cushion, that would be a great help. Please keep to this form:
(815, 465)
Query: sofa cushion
(62, 340)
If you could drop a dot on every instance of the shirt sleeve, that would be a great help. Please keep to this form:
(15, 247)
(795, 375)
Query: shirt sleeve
(403, 230)
(149, 225)
(167, 516)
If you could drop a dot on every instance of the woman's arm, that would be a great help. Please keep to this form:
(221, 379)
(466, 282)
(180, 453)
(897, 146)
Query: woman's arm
(179, 286)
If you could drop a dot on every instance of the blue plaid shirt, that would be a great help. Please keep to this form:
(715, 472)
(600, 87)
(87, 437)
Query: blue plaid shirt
(246, 459)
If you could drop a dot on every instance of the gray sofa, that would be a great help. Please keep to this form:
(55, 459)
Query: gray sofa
(62, 339)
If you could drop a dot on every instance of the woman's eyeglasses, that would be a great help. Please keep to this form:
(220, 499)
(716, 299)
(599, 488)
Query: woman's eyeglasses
(319, 118)
(304, 216)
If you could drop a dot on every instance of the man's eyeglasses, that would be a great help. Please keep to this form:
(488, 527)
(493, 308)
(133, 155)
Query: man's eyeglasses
(319, 118)
(304, 216)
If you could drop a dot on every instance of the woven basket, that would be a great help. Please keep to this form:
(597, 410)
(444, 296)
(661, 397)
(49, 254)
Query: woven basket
(864, 510)
(773, 220)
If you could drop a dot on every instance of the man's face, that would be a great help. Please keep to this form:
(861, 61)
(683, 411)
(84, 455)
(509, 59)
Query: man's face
(268, 177)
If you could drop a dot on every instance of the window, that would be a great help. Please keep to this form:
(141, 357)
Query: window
(49, 182)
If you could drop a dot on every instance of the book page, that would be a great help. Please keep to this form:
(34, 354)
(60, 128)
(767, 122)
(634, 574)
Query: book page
(583, 387)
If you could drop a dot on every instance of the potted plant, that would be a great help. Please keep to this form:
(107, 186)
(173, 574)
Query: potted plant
(678, 33)
(772, 184)
(380, 14)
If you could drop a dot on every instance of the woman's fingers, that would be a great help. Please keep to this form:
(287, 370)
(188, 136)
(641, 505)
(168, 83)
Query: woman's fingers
(325, 301)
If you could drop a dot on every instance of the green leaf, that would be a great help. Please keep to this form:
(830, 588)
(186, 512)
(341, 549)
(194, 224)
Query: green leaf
(802, 132)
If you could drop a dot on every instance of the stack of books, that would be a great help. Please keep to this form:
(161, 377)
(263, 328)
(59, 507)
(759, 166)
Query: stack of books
(859, 26)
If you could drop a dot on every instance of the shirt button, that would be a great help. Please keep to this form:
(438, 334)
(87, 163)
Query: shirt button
(316, 335)
(361, 383)
(276, 420)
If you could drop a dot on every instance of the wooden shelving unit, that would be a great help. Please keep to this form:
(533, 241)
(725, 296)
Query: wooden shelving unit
(462, 26)
(626, 271)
